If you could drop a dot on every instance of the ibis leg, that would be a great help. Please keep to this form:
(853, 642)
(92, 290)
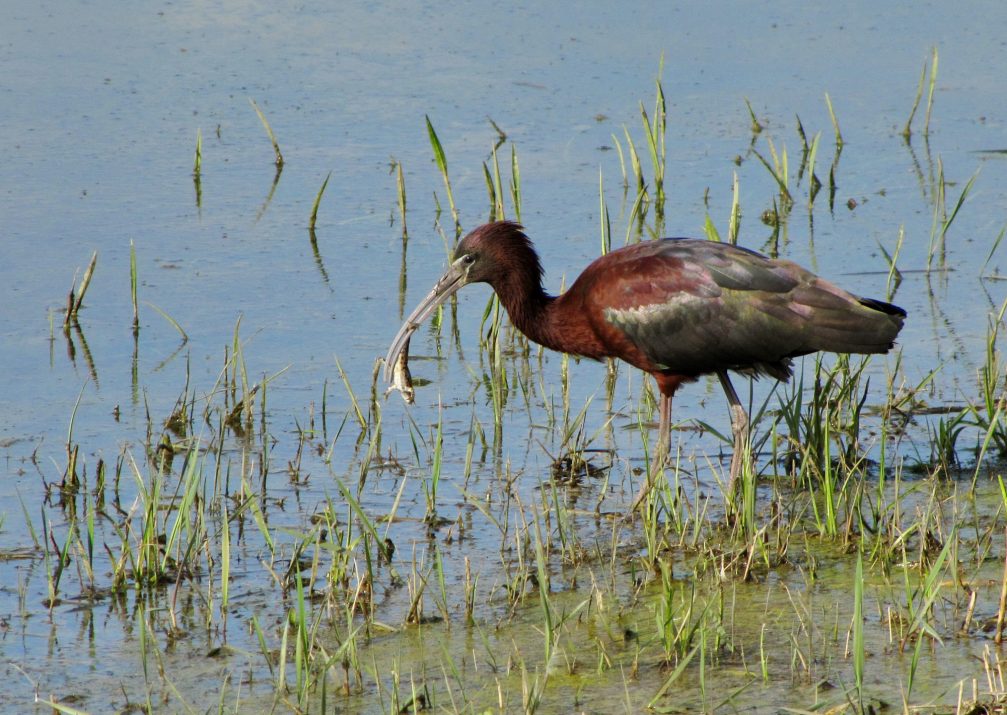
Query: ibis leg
(664, 429)
(739, 428)
(660, 453)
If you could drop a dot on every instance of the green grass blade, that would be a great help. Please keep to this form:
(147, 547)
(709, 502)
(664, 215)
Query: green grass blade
(172, 321)
(132, 287)
(835, 122)
(318, 200)
(858, 627)
(440, 158)
(197, 162)
(269, 132)
(930, 93)
(907, 129)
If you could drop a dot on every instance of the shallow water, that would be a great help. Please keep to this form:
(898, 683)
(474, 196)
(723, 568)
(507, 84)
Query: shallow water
(102, 106)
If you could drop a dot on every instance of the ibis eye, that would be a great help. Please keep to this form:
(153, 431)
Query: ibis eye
(468, 259)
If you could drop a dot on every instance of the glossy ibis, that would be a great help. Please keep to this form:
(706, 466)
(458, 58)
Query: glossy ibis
(676, 308)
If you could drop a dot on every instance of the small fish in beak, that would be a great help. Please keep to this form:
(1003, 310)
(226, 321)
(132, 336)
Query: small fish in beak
(396, 361)
(402, 379)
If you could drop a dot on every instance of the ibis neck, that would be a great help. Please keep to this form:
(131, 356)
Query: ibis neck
(540, 317)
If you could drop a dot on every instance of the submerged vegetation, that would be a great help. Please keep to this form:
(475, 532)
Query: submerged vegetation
(431, 575)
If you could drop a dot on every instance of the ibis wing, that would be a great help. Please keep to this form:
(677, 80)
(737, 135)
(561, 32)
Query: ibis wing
(694, 306)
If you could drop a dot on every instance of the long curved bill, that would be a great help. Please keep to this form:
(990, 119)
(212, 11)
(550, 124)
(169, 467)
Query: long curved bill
(448, 285)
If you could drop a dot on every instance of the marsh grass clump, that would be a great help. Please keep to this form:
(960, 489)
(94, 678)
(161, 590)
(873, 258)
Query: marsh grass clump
(786, 180)
(989, 414)
(907, 129)
(648, 194)
(942, 221)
